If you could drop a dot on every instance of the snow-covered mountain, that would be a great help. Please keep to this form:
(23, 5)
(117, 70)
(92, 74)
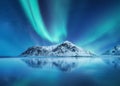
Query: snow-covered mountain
(64, 49)
(114, 51)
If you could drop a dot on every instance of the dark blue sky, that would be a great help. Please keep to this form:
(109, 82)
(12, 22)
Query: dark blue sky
(91, 24)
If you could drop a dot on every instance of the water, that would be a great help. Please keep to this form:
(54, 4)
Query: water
(67, 71)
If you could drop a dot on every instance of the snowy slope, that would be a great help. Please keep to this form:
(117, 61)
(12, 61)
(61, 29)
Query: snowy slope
(114, 51)
(65, 49)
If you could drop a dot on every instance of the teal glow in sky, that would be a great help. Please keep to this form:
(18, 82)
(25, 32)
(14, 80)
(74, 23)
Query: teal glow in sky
(59, 14)
(58, 23)
(105, 27)
(31, 8)
(91, 24)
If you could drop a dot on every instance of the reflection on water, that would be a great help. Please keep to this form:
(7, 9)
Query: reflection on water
(63, 64)
(115, 62)
(67, 71)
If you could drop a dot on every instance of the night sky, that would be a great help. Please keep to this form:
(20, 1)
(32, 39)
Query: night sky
(91, 24)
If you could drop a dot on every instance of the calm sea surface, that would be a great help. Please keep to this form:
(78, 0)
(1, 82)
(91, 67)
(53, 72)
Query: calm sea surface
(56, 71)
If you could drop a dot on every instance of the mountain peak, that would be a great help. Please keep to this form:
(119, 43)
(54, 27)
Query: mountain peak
(64, 49)
(117, 47)
(68, 43)
(114, 51)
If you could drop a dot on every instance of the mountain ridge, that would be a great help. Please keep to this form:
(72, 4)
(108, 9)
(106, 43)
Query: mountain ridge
(64, 49)
(114, 51)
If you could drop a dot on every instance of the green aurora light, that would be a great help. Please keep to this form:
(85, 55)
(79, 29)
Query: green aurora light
(59, 11)
(32, 11)
(105, 27)
(58, 23)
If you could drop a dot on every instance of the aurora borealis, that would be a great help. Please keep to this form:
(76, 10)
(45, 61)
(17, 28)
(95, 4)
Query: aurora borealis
(91, 24)
(58, 25)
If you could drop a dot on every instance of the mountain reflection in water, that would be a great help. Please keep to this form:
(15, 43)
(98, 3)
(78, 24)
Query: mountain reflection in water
(64, 71)
(61, 64)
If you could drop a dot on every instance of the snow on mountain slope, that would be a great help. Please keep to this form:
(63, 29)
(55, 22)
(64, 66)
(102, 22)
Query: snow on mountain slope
(65, 49)
(114, 51)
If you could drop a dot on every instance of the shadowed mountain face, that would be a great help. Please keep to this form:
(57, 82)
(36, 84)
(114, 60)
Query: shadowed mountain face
(65, 49)
(114, 51)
